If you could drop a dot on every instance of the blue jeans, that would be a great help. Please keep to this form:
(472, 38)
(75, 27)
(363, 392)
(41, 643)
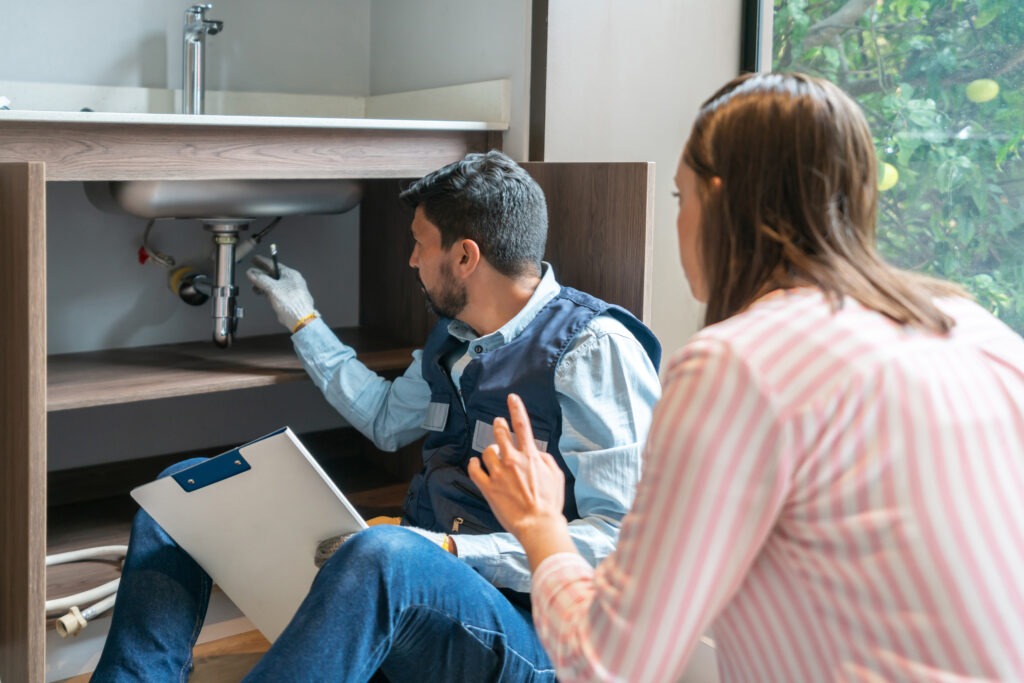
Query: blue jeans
(387, 600)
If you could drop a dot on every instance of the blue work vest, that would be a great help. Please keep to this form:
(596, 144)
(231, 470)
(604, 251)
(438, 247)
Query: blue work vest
(442, 497)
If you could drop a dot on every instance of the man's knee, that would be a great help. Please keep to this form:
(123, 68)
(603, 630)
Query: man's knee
(381, 549)
(386, 541)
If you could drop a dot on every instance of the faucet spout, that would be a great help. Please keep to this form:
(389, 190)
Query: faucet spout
(193, 74)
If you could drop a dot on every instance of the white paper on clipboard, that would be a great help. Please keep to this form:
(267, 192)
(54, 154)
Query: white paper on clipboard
(252, 518)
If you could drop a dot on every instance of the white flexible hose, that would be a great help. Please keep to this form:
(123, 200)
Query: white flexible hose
(72, 623)
(107, 589)
(114, 551)
(245, 247)
(69, 601)
(99, 607)
(165, 260)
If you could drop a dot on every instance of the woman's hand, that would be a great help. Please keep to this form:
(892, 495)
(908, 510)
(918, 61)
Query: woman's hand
(524, 487)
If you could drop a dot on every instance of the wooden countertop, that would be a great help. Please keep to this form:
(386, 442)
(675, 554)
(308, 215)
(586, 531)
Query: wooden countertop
(95, 146)
(148, 119)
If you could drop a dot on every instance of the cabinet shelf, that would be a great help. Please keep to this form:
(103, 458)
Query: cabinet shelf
(114, 376)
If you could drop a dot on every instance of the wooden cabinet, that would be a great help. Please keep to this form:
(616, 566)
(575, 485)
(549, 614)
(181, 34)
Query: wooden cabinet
(599, 241)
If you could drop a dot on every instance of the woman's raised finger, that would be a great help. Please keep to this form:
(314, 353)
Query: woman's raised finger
(521, 423)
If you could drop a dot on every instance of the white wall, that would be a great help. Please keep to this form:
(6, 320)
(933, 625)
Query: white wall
(624, 82)
(299, 46)
(417, 44)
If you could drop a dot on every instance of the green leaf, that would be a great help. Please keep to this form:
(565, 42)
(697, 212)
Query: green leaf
(958, 209)
(987, 13)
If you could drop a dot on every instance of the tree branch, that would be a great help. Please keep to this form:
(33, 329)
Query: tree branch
(961, 77)
(1011, 64)
(831, 26)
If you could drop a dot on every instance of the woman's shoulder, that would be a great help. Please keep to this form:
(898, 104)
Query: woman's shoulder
(975, 326)
(766, 332)
(778, 318)
(788, 332)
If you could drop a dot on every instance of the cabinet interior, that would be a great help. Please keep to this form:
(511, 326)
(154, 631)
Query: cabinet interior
(90, 505)
(591, 248)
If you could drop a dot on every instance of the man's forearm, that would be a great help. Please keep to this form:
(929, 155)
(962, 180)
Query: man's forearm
(389, 413)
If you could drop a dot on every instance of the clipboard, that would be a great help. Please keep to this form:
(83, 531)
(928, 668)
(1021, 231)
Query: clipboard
(252, 518)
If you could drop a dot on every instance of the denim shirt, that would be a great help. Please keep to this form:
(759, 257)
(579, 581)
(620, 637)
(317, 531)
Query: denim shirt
(606, 386)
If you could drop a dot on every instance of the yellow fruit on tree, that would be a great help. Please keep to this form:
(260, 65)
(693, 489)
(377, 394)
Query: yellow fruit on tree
(888, 177)
(982, 90)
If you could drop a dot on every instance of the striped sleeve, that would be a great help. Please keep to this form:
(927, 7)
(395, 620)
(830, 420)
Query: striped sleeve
(715, 477)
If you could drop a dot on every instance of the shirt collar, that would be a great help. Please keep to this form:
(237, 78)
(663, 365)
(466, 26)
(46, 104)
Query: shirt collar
(546, 290)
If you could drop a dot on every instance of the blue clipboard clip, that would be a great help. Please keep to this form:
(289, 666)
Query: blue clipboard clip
(215, 469)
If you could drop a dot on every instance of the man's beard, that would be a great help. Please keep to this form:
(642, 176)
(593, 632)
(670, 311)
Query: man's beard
(448, 300)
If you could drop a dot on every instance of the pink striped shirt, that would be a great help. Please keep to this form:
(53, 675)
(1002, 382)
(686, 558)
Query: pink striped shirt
(832, 496)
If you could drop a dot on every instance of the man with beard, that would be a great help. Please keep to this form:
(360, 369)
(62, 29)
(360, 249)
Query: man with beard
(443, 596)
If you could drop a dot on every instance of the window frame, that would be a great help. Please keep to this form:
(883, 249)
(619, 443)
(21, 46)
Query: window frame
(756, 34)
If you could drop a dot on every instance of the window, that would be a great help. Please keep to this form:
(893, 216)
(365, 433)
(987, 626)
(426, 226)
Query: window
(942, 85)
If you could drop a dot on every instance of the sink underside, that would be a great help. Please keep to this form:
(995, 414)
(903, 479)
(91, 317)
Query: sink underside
(223, 199)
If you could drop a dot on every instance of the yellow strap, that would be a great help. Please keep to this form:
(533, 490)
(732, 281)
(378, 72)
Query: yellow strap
(303, 322)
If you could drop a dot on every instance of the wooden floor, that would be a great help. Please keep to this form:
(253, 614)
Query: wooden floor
(85, 524)
(219, 661)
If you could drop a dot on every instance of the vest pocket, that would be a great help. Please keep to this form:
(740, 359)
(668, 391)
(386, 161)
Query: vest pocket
(469, 492)
(460, 525)
(458, 505)
(437, 416)
(483, 436)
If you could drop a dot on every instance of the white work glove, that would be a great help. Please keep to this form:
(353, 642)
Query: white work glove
(328, 547)
(289, 296)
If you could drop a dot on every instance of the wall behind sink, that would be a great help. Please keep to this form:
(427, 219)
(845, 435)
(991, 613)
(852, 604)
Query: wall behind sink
(299, 46)
(352, 48)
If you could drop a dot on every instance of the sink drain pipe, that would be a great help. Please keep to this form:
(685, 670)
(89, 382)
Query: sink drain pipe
(226, 310)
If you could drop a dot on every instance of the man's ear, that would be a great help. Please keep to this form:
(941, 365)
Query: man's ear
(467, 257)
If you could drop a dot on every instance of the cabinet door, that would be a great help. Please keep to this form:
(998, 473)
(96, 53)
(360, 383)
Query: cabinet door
(601, 227)
(22, 420)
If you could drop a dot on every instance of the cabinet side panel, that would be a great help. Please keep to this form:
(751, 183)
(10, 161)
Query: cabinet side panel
(390, 299)
(601, 227)
(22, 421)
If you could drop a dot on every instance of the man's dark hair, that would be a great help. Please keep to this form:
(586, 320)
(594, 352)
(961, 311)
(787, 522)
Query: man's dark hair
(491, 200)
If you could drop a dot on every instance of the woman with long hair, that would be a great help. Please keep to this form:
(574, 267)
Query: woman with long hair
(832, 481)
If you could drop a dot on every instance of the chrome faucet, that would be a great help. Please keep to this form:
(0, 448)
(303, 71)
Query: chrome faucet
(193, 58)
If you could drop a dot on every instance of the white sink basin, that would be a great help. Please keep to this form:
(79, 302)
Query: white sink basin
(205, 199)
(224, 207)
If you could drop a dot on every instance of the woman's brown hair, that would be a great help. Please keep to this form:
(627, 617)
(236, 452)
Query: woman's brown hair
(797, 201)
